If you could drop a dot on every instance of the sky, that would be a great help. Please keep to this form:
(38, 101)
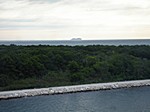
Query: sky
(66, 19)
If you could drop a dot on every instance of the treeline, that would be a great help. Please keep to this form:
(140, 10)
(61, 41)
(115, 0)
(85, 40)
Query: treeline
(44, 66)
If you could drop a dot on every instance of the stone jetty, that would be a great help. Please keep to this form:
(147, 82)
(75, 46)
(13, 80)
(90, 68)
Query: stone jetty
(72, 89)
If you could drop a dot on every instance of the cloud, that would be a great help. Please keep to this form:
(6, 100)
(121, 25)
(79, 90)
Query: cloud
(75, 16)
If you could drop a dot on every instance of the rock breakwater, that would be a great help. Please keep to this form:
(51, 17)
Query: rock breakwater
(72, 89)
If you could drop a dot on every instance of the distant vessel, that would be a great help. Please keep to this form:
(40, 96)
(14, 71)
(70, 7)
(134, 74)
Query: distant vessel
(76, 39)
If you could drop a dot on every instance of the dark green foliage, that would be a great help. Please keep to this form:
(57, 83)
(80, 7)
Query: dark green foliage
(44, 66)
(73, 66)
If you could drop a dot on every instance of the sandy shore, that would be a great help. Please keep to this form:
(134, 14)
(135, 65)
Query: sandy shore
(72, 89)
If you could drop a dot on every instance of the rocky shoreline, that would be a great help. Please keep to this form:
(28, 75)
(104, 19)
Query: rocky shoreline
(72, 89)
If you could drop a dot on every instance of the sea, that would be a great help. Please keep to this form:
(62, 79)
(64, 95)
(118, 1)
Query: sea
(78, 43)
(118, 100)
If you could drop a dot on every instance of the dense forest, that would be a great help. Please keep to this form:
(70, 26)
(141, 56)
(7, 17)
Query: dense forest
(45, 66)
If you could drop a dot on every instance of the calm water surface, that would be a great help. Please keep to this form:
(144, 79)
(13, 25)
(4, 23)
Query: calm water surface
(83, 42)
(121, 100)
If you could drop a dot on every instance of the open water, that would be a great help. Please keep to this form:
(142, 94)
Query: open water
(82, 42)
(120, 100)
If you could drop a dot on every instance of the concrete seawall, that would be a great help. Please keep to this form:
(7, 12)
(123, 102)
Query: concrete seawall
(72, 89)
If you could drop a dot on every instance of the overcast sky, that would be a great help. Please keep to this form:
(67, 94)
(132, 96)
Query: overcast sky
(66, 19)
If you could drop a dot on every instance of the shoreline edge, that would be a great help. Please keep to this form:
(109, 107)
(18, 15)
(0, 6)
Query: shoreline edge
(4, 95)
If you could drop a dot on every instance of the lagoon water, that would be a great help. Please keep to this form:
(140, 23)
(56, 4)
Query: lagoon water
(82, 42)
(120, 100)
